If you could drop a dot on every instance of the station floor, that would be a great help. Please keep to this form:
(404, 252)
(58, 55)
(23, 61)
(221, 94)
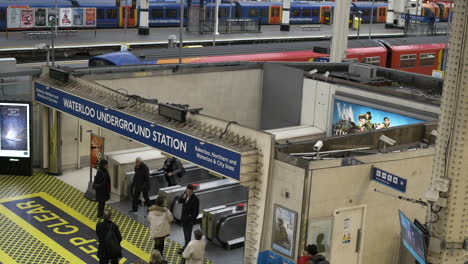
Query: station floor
(45, 220)
(116, 36)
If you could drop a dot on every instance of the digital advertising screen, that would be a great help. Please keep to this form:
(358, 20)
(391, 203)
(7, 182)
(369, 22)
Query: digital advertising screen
(349, 118)
(412, 238)
(14, 130)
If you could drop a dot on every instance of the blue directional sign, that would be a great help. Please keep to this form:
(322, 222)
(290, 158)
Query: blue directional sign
(389, 179)
(192, 149)
(424, 19)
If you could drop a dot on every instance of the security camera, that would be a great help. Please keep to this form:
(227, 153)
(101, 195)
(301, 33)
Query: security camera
(326, 74)
(314, 71)
(318, 145)
(387, 140)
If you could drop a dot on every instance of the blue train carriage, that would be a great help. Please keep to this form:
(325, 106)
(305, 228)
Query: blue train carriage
(266, 12)
(306, 12)
(108, 13)
(165, 13)
(379, 11)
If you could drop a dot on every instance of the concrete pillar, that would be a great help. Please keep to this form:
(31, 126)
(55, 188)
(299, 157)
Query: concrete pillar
(143, 28)
(340, 30)
(285, 15)
(452, 147)
(390, 14)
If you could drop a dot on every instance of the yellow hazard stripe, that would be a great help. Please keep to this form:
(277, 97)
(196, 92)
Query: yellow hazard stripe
(67, 255)
(5, 258)
(91, 224)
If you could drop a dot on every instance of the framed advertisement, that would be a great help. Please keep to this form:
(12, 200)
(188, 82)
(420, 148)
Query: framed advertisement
(51, 17)
(14, 17)
(78, 17)
(40, 17)
(27, 18)
(284, 231)
(65, 17)
(97, 150)
(319, 232)
(90, 17)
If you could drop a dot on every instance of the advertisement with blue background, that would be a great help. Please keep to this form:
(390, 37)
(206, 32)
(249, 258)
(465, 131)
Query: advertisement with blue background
(412, 238)
(351, 118)
(204, 154)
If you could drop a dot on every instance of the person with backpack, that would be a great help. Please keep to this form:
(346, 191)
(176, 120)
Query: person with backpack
(102, 186)
(160, 219)
(173, 167)
(109, 238)
(311, 256)
(156, 258)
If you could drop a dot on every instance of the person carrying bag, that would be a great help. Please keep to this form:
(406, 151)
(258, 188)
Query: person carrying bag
(109, 237)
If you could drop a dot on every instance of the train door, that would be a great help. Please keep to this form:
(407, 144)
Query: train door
(275, 15)
(131, 16)
(325, 15)
(382, 15)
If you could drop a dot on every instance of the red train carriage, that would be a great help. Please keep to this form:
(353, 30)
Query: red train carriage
(417, 58)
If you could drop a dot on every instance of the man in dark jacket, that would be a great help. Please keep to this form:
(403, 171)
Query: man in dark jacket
(140, 184)
(102, 186)
(109, 237)
(313, 256)
(173, 167)
(190, 211)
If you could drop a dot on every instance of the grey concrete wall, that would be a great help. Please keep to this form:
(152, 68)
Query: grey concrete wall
(228, 95)
(281, 96)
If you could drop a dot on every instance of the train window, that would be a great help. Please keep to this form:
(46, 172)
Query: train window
(111, 14)
(157, 13)
(171, 13)
(306, 12)
(382, 11)
(223, 12)
(253, 12)
(374, 13)
(132, 13)
(426, 59)
(100, 14)
(185, 13)
(366, 12)
(264, 12)
(315, 12)
(296, 12)
(372, 60)
(2, 14)
(408, 61)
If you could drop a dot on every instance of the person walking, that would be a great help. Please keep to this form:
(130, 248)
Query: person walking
(156, 258)
(173, 167)
(195, 250)
(102, 186)
(109, 238)
(311, 256)
(190, 211)
(160, 219)
(140, 184)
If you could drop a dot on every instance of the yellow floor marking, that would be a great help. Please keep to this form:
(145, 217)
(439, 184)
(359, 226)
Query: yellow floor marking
(91, 224)
(39, 235)
(6, 258)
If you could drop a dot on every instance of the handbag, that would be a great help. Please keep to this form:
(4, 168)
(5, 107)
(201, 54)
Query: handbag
(112, 244)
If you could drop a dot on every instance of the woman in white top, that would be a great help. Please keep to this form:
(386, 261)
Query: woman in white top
(195, 250)
(160, 219)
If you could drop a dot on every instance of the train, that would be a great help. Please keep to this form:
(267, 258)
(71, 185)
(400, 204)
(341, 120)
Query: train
(111, 13)
(419, 55)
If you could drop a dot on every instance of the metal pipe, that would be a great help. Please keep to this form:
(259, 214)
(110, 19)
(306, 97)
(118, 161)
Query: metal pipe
(181, 26)
(372, 19)
(54, 33)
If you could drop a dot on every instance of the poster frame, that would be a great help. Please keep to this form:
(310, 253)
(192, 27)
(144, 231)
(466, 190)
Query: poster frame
(91, 167)
(46, 16)
(8, 10)
(378, 105)
(85, 24)
(275, 246)
(22, 25)
(61, 12)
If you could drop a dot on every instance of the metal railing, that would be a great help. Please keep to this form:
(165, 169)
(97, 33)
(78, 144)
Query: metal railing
(226, 26)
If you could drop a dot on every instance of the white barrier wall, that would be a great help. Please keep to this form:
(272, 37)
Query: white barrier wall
(327, 186)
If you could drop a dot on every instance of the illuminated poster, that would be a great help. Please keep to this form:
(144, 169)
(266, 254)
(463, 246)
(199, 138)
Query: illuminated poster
(78, 17)
(351, 118)
(27, 18)
(65, 17)
(51, 17)
(14, 17)
(97, 150)
(284, 231)
(40, 18)
(90, 17)
(14, 130)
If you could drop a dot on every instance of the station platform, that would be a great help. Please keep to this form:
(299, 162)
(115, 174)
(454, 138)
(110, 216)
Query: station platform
(45, 220)
(105, 37)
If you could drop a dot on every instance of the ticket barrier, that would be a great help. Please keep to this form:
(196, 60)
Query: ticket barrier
(225, 225)
(193, 174)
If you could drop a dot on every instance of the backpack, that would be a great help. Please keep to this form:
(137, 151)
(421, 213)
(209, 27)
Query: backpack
(179, 164)
(112, 243)
(321, 260)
